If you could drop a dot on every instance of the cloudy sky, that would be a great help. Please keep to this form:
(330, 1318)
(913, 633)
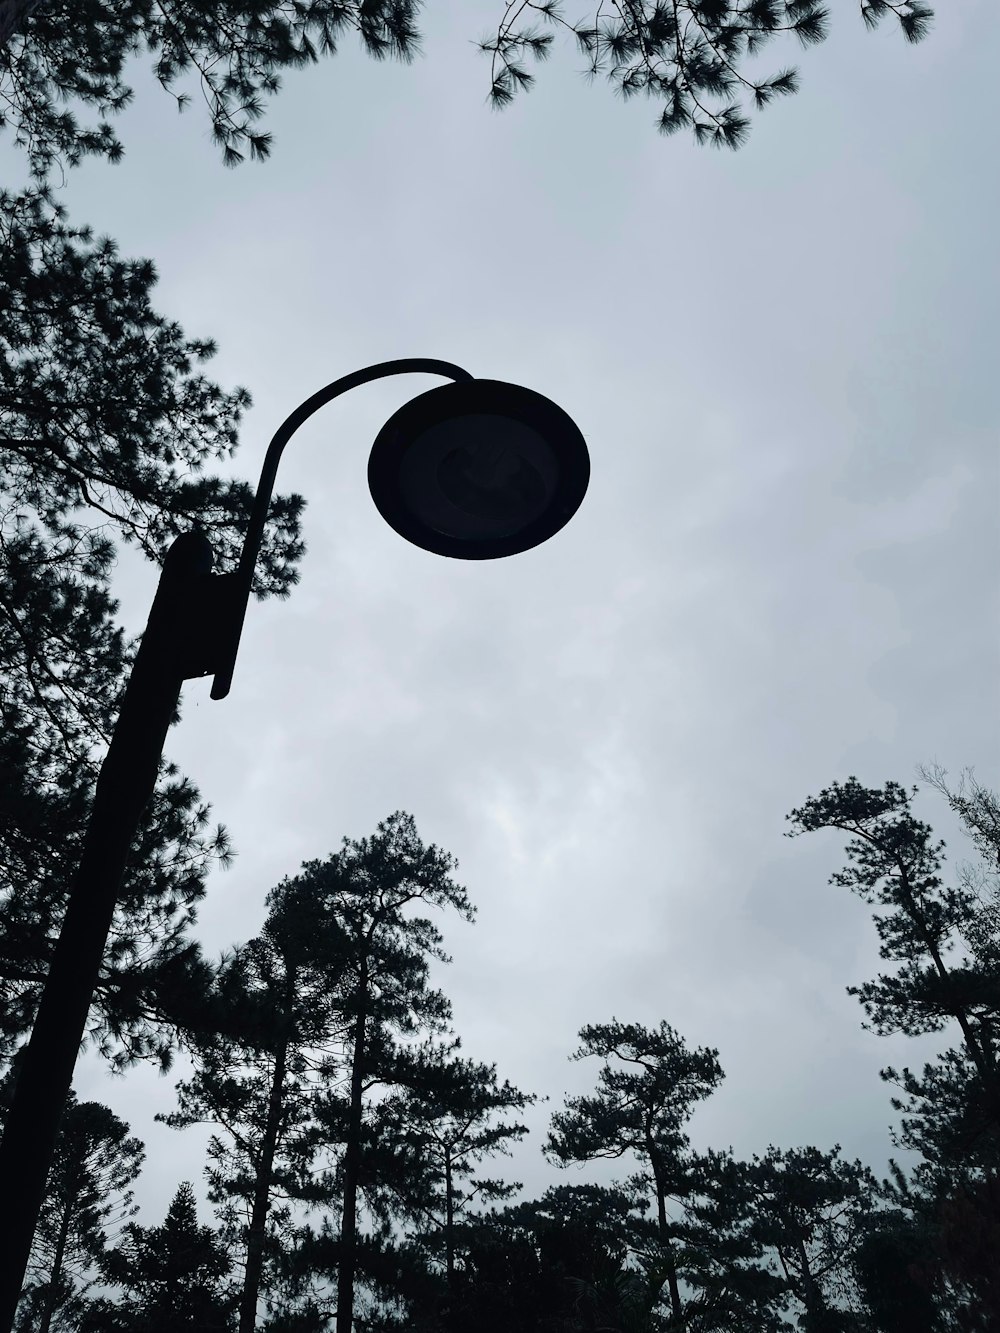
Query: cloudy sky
(784, 362)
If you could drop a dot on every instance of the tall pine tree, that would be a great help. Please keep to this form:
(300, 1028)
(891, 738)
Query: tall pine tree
(331, 1012)
(699, 1248)
(430, 1139)
(894, 864)
(377, 890)
(563, 1261)
(915, 1266)
(255, 1083)
(87, 1192)
(811, 1211)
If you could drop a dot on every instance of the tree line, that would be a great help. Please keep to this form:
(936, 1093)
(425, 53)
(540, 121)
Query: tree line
(352, 1163)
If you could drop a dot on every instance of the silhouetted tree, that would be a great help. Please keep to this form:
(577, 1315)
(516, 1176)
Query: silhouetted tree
(426, 1143)
(969, 1245)
(63, 668)
(979, 810)
(948, 1109)
(690, 57)
(648, 1085)
(343, 1009)
(558, 1264)
(375, 890)
(729, 1284)
(897, 1268)
(928, 1260)
(423, 1144)
(88, 1189)
(812, 1210)
(687, 56)
(893, 863)
(108, 421)
(917, 1265)
(105, 419)
(255, 1083)
(529, 1266)
(173, 1276)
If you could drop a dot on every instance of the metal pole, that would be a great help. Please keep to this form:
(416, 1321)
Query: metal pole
(243, 577)
(124, 787)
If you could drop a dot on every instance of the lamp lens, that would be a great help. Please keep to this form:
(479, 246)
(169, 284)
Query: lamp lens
(478, 475)
(492, 482)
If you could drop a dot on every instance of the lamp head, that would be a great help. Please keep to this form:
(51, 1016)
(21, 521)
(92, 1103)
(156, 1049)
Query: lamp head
(478, 469)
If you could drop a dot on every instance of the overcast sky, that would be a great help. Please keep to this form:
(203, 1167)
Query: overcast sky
(784, 362)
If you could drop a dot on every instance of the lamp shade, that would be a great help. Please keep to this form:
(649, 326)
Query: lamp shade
(478, 469)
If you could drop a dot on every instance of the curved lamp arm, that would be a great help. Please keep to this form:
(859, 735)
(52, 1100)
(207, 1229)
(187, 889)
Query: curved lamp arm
(240, 583)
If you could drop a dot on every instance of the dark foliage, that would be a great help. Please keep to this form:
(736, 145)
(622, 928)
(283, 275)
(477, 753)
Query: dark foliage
(924, 925)
(106, 425)
(174, 1275)
(695, 57)
(88, 1193)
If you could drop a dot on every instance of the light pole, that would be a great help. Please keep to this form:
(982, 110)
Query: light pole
(475, 469)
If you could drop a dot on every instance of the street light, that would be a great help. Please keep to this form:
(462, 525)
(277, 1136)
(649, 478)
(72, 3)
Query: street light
(475, 469)
(478, 470)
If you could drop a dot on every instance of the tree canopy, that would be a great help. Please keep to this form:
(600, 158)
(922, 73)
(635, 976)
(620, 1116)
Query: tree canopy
(88, 1194)
(107, 426)
(174, 1276)
(696, 58)
(919, 1261)
(940, 981)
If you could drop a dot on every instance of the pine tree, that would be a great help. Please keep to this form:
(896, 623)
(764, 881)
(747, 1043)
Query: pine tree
(916, 1268)
(978, 808)
(255, 1081)
(108, 419)
(374, 889)
(428, 1141)
(688, 56)
(648, 1086)
(564, 1261)
(173, 1276)
(894, 864)
(105, 420)
(585, 1237)
(88, 1189)
(969, 1242)
(691, 57)
(336, 1006)
(897, 1263)
(64, 666)
(812, 1210)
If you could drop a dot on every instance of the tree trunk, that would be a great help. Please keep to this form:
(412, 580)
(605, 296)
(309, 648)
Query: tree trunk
(13, 16)
(676, 1308)
(812, 1297)
(449, 1224)
(262, 1193)
(352, 1168)
(51, 1297)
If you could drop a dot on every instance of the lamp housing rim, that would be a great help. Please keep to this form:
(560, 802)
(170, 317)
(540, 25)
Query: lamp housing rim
(478, 397)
